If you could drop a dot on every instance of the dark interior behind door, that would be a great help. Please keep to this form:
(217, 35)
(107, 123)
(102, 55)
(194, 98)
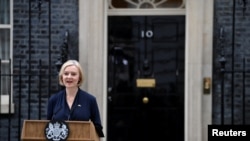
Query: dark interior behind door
(146, 47)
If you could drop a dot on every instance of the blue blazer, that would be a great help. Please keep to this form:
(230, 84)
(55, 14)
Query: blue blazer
(84, 108)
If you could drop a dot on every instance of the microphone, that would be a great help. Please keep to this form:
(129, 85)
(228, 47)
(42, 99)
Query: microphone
(54, 113)
(69, 115)
(72, 109)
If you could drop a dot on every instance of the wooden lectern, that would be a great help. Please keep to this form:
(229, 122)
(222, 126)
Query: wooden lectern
(33, 130)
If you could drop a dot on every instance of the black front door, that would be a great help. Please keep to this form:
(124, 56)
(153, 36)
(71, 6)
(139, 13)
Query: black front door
(146, 78)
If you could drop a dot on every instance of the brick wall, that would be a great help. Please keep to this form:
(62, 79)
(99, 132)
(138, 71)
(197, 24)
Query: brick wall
(39, 35)
(233, 17)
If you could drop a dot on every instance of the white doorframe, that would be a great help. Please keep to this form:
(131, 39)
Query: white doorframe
(198, 58)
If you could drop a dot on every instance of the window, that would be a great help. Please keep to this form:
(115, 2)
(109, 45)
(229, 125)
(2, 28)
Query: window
(6, 26)
(146, 4)
(146, 7)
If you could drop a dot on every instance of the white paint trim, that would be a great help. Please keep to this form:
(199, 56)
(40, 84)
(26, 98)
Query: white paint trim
(4, 106)
(146, 12)
(105, 73)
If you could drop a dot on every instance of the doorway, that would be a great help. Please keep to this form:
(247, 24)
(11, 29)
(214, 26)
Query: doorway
(146, 65)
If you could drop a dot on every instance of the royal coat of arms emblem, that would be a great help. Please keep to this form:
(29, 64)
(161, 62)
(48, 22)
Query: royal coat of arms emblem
(56, 131)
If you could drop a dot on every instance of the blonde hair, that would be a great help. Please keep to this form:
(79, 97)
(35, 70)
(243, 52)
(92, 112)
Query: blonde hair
(71, 63)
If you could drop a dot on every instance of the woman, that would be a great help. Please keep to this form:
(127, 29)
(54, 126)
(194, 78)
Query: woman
(73, 103)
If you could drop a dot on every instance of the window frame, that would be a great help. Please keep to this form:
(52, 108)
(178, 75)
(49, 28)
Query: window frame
(6, 101)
